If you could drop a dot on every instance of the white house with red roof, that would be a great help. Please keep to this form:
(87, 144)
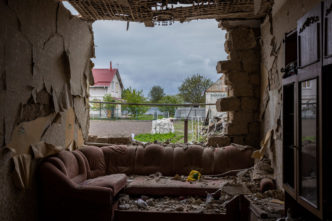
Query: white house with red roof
(107, 81)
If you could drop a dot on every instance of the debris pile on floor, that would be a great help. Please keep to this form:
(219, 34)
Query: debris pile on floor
(269, 205)
(255, 183)
(175, 204)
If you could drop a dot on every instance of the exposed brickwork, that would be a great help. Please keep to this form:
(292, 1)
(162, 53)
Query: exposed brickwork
(242, 75)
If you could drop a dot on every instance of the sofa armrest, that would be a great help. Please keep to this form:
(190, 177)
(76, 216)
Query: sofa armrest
(59, 189)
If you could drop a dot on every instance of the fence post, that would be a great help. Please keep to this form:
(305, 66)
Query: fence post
(99, 109)
(185, 130)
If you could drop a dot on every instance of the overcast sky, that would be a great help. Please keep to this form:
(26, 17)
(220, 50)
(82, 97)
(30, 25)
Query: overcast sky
(163, 55)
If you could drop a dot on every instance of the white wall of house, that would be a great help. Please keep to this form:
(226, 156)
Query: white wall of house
(115, 89)
(212, 97)
(98, 92)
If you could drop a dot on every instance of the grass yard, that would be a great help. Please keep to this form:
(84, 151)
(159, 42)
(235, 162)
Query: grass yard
(170, 137)
(176, 137)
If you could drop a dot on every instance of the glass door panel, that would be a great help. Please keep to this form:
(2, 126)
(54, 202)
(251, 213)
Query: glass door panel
(288, 133)
(308, 141)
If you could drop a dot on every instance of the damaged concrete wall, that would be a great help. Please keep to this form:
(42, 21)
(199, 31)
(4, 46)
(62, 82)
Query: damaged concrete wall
(241, 72)
(45, 71)
(282, 20)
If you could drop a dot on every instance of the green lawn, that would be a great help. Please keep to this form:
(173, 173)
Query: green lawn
(176, 137)
(171, 137)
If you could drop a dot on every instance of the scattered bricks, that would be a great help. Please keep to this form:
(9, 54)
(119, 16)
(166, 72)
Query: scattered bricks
(228, 104)
(228, 66)
(242, 38)
(219, 141)
(249, 103)
(237, 129)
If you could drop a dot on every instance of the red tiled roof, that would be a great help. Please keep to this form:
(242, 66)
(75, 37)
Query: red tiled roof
(103, 77)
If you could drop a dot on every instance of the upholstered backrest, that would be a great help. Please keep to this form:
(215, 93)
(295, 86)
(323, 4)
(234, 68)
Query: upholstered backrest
(187, 159)
(95, 161)
(119, 159)
(154, 158)
(175, 160)
(73, 165)
(232, 158)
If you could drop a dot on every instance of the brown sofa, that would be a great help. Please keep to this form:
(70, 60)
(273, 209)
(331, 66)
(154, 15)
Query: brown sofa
(84, 183)
(74, 186)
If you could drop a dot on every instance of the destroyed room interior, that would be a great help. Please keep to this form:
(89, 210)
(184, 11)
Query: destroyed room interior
(269, 162)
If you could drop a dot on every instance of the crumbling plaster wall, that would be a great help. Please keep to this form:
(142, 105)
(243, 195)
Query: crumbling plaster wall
(282, 20)
(45, 71)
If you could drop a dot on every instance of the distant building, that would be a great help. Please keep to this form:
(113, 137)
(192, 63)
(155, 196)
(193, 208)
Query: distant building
(107, 81)
(212, 94)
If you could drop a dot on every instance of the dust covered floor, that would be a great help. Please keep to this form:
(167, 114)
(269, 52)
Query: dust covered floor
(270, 203)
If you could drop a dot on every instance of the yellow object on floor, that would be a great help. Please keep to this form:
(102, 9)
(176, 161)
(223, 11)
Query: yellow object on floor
(194, 175)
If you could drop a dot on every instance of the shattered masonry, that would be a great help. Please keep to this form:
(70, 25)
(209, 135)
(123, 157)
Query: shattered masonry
(242, 76)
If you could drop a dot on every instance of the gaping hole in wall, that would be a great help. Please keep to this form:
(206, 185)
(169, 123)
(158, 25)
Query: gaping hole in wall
(171, 63)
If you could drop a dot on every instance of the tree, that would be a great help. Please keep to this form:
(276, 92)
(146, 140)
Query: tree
(108, 108)
(95, 106)
(193, 88)
(169, 99)
(156, 93)
(134, 96)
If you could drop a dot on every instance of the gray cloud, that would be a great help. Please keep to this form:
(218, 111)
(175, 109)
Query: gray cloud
(161, 55)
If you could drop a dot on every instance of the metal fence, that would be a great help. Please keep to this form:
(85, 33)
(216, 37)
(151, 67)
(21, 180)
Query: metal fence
(187, 119)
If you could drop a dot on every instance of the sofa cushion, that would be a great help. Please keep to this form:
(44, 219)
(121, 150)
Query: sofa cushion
(119, 159)
(75, 166)
(95, 161)
(115, 181)
(187, 159)
(165, 186)
(232, 158)
(154, 158)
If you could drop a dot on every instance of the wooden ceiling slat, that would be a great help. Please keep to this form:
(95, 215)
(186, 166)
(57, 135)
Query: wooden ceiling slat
(144, 10)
